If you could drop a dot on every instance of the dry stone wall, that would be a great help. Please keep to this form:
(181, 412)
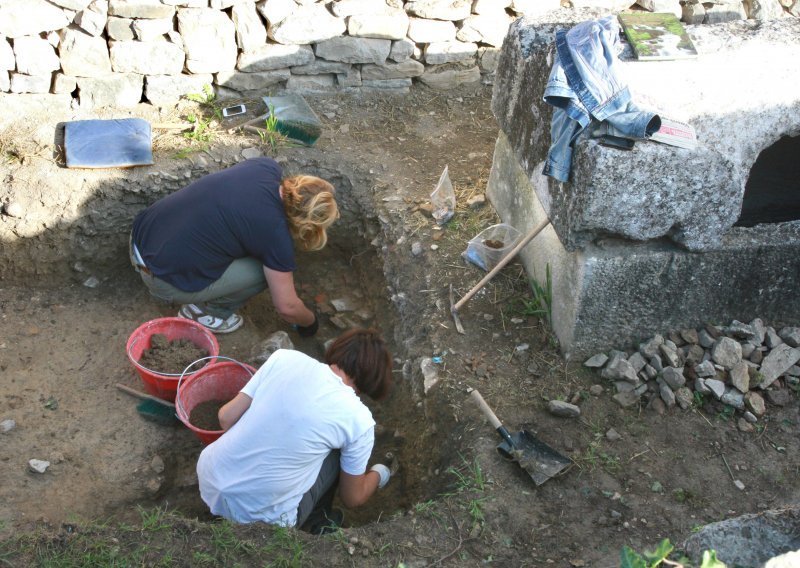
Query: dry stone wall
(121, 52)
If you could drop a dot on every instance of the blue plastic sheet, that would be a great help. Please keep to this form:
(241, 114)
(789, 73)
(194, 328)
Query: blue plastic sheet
(120, 143)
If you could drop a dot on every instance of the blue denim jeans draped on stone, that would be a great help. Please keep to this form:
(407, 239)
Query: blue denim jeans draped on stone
(585, 87)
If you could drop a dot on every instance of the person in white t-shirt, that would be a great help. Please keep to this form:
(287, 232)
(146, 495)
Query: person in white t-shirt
(297, 430)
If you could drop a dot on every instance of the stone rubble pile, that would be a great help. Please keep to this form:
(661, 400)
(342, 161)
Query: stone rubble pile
(120, 52)
(742, 366)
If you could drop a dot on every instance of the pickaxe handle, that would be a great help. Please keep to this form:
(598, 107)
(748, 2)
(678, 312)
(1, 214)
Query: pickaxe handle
(503, 261)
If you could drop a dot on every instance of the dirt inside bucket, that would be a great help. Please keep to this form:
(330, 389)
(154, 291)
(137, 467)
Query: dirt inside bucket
(205, 415)
(171, 357)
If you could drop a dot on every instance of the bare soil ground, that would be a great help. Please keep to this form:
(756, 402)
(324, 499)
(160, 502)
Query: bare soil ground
(122, 490)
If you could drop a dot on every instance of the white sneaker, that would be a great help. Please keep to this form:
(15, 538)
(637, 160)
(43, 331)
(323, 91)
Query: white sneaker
(212, 323)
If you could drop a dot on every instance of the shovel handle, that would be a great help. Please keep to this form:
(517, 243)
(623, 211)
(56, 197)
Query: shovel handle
(476, 396)
(142, 395)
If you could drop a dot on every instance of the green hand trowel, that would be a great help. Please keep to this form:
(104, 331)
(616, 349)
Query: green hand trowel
(153, 408)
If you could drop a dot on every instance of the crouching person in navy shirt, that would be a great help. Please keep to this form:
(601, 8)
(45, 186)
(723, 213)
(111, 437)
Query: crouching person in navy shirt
(229, 235)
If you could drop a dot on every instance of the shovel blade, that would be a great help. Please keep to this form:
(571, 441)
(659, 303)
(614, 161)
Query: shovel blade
(534, 456)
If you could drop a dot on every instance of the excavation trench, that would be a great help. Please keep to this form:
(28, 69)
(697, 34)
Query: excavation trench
(63, 350)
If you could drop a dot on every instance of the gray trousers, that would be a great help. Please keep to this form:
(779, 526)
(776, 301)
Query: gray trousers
(242, 280)
(317, 502)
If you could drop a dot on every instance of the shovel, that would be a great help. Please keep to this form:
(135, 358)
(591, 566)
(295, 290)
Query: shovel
(534, 456)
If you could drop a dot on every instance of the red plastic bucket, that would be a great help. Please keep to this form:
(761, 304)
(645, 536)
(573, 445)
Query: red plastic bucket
(165, 385)
(220, 381)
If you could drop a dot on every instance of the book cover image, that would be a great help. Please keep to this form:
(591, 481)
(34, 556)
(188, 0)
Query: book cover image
(657, 35)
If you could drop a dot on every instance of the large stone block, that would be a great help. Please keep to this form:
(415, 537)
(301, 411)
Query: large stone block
(35, 56)
(251, 33)
(421, 30)
(615, 292)
(92, 20)
(692, 197)
(7, 61)
(390, 24)
(246, 82)
(272, 56)
(30, 17)
(440, 52)
(489, 28)
(440, 9)
(151, 9)
(83, 55)
(169, 89)
(21, 83)
(386, 71)
(147, 57)
(354, 49)
(449, 76)
(306, 25)
(117, 90)
(209, 38)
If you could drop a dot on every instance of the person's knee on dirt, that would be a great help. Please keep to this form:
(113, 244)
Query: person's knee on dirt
(295, 432)
(222, 239)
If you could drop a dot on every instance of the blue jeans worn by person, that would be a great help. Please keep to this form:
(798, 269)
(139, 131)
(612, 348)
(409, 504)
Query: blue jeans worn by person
(585, 87)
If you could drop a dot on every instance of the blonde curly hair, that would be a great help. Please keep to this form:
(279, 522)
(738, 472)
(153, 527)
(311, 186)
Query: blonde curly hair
(311, 208)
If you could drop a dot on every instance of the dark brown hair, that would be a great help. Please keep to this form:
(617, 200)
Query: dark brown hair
(363, 356)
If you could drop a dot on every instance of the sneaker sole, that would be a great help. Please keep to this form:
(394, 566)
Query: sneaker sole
(214, 331)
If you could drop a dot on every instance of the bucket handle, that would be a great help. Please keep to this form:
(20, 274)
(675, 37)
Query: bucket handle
(179, 409)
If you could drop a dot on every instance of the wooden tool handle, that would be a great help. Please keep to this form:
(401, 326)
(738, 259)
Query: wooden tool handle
(142, 395)
(503, 261)
(476, 396)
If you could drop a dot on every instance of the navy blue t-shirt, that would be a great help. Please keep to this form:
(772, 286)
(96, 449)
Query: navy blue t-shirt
(190, 237)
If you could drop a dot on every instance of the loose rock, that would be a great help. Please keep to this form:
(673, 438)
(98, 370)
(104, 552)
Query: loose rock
(563, 409)
(38, 466)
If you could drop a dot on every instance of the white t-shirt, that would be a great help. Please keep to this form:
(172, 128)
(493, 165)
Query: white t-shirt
(264, 464)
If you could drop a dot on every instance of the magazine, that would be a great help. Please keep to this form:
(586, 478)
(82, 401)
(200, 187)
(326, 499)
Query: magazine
(676, 133)
(656, 36)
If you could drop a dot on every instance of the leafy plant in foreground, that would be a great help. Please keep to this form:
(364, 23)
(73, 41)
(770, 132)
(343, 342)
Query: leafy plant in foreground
(629, 558)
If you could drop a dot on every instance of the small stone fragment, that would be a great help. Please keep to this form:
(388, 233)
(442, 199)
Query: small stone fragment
(739, 485)
(14, 209)
(716, 387)
(563, 409)
(416, 248)
(626, 399)
(726, 352)
(684, 397)
(596, 361)
(157, 464)
(596, 390)
(612, 435)
(744, 426)
(38, 466)
(7, 425)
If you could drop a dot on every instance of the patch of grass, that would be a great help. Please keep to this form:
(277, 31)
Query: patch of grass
(225, 541)
(203, 122)
(470, 476)
(540, 304)
(595, 457)
(285, 549)
(153, 520)
(726, 413)
(629, 558)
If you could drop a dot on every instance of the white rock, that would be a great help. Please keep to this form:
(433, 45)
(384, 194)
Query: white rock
(14, 209)
(83, 55)
(7, 425)
(35, 56)
(30, 17)
(38, 466)
(250, 30)
(209, 38)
